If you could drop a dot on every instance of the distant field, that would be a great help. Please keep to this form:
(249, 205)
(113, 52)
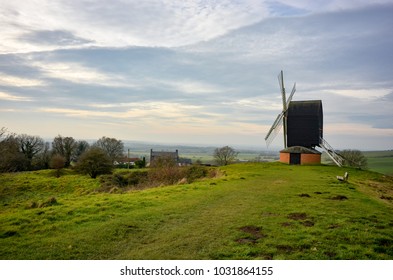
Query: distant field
(380, 161)
(251, 211)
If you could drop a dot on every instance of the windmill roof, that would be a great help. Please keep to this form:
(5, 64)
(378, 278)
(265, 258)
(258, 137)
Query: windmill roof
(299, 150)
(307, 107)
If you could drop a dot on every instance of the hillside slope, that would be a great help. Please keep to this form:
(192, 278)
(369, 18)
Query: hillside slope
(254, 211)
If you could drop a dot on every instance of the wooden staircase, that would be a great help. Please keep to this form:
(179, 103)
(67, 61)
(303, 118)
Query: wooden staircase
(337, 158)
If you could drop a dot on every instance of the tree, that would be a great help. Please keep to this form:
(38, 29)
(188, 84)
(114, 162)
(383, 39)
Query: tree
(11, 158)
(81, 147)
(30, 146)
(112, 147)
(42, 160)
(224, 155)
(57, 162)
(64, 146)
(94, 162)
(354, 158)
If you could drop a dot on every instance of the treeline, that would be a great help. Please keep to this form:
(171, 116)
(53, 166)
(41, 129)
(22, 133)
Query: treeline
(27, 152)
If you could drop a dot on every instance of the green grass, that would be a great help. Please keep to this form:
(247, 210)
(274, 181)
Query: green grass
(255, 211)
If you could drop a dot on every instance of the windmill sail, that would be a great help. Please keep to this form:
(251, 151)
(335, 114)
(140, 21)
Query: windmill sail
(282, 88)
(281, 120)
(284, 105)
(275, 129)
(291, 95)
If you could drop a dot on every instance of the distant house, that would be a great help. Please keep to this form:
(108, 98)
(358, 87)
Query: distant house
(155, 156)
(185, 161)
(126, 161)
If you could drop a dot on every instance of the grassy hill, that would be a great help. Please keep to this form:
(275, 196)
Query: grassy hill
(252, 211)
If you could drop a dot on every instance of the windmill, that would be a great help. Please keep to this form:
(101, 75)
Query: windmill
(302, 122)
(281, 120)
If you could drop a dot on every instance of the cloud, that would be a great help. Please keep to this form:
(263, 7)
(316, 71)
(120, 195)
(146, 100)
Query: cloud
(121, 23)
(326, 6)
(355, 130)
(15, 81)
(193, 87)
(366, 94)
(79, 74)
(54, 37)
(11, 97)
(203, 70)
(141, 111)
(165, 23)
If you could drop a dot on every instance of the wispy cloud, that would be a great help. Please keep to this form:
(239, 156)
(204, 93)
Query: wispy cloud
(16, 81)
(77, 73)
(119, 23)
(147, 110)
(367, 94)
(12, 97)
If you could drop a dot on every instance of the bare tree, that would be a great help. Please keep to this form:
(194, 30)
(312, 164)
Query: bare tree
(81, 147)
(42, 160)
(111, 146)
(30, 146)
(354, 158)
(3, 132)
(224, 155)
(11, 158)
(64, 146)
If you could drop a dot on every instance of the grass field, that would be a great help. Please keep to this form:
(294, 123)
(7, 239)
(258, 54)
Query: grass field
(380, 161)
(252, 211)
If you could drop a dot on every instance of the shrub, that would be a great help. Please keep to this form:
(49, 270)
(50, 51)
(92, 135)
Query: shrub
(354, 158)
(137, 178)
(196, 172)
(123, 180)
(57, 162)
(165, 175)
(158, 176)
(94, 162)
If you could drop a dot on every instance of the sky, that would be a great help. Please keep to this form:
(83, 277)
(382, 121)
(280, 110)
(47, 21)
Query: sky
(200, 72)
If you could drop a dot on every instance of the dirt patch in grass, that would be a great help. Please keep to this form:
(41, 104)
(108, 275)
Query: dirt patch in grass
(254, 234)
(266, 256)
(297, 216)
(339, 197)
(286, 224)
(246, 241)
(304, 219)
(304, 195)
(308, 223)
(284, 248)
(334, 226)
(253, 231)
